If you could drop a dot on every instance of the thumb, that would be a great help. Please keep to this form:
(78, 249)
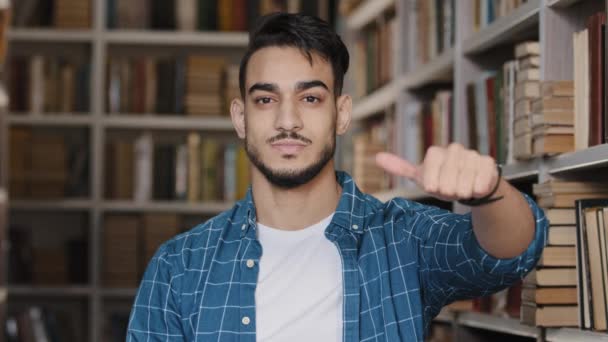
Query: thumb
(396, 165)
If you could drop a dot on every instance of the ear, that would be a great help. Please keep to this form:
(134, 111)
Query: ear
(237, 114)
(345, 109)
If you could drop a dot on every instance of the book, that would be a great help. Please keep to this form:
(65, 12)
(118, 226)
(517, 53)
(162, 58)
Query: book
(527, 49)
(144, 161)
(562, 235)
(558, 216)
(596, 85)
(553, 89)
(566, 200)
(549, 316)
(581, 87)
(596, 268)
(558, 256)
(549, 295)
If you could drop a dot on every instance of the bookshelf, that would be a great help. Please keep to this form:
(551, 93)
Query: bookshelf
(552, 23)
(96, 45)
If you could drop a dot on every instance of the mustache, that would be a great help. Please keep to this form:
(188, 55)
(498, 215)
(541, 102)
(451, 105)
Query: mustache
(289, 135)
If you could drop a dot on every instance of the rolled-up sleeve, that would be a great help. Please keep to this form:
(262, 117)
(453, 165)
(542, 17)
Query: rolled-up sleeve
(454, 266)
(155, 315)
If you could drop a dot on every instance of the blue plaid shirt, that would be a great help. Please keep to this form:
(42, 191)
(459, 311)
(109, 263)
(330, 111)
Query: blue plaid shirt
(402, 262)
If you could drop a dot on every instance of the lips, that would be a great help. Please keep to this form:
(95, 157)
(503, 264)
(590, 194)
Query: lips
(289, 147)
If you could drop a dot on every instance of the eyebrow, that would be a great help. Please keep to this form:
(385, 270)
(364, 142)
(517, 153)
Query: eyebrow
(269, 87)
(300, 86)
(304, 85)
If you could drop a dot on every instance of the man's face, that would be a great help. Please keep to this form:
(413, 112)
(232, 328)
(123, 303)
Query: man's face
(290, 115)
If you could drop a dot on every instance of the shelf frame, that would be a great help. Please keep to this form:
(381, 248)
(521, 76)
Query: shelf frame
(504, 29)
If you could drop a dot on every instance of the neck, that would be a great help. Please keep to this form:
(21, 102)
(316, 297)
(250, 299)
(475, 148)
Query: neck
(297, 208)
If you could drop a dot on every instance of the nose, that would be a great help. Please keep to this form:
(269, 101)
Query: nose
(288, 118)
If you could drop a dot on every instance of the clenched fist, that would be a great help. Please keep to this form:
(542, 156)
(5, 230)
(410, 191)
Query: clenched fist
(452, 173)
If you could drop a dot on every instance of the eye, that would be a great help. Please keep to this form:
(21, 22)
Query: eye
(263, 100)
(311, 99)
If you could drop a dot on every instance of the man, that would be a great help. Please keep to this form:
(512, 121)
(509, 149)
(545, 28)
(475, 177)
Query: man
(306, 256)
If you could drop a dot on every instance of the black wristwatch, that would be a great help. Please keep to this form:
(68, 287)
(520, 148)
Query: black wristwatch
(476, 202)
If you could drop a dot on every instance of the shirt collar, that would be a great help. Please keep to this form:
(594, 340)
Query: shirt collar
(349, 214)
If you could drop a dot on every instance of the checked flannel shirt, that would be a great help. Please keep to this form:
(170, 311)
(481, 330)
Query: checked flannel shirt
(402, 261)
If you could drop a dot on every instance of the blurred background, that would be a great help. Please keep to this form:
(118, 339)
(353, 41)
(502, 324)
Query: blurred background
(115, 136)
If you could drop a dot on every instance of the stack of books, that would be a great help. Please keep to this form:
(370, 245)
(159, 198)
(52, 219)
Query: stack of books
(157, 228)
(549, 297)
(120, 251)
(552, 120)
(367, 174)
(204, 82)
(527, 89)
(232, 89)
(72, 14)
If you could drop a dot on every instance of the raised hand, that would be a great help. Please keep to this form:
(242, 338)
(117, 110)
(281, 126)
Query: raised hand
(447, 173)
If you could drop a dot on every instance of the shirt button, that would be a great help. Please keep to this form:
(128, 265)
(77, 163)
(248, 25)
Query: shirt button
(355, 227)
(250, 263)
(246, 320)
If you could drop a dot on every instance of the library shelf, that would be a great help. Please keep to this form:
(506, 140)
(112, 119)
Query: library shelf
(438, 70)
(3, 294)
(375, 102)
(51, 205)
(403, 192)
(367, 12)
(205, 208)
(573, 334)
(520, 170)
(50, 291)
(177, 38)
(562, 3)
(504, 29)
(172, 122)
(49, 35)
(596, 156)
(118, 293)
(51, 119)
(494, 323)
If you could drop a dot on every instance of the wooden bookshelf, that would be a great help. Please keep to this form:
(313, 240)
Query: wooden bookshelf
(98, 44)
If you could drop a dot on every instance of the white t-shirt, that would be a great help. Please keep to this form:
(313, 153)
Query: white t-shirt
(299, 291)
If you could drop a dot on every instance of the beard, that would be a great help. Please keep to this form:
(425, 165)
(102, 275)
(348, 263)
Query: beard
(289, 179)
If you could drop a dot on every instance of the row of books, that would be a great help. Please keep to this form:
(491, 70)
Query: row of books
(200, 169)
(488, 11)
(376, 137)
(205, 15)
(129, 243)
(431, 30)
(375, 62)
(43, 84)
(38, 323)
(195, 85)
(568, 288)
(429, 123)
(513, 115)
(65, 14)
(45, 164)
(61, 263)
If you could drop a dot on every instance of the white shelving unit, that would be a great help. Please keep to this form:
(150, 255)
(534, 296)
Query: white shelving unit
(552, 22)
